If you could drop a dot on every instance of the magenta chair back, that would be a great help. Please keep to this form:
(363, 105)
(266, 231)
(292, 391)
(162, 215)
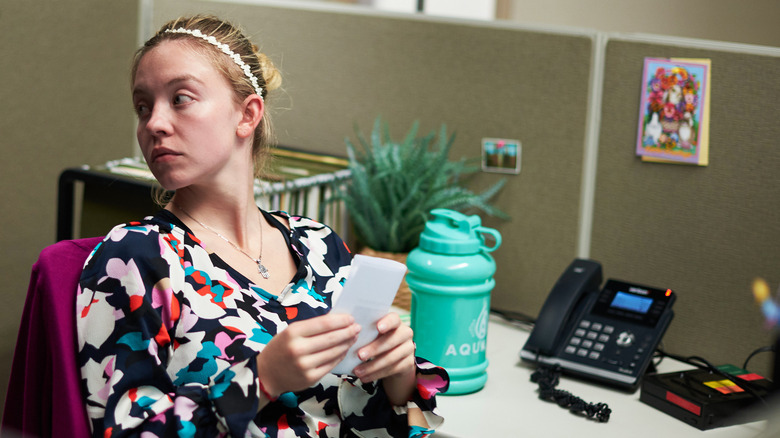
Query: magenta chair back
(44, 392)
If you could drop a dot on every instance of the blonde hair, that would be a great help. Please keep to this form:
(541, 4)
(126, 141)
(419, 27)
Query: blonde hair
(260, 65)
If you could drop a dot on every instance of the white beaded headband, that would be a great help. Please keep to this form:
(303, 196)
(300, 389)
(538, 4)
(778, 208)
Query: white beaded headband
(226, 50)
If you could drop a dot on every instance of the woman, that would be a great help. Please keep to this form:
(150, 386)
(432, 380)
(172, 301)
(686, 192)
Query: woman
(211, 317)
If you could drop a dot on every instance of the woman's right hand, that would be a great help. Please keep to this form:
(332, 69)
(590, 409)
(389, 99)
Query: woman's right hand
(300, 355)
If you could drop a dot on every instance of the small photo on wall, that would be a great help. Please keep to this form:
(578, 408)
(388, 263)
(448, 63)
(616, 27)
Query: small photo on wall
(501, 155)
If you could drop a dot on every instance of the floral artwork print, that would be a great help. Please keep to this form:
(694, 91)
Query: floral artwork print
(672, 119)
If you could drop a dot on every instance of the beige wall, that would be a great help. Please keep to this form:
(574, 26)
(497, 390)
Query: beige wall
(65, 102)
(749, 22)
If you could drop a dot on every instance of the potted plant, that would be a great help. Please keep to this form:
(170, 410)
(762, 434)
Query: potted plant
(394, 185)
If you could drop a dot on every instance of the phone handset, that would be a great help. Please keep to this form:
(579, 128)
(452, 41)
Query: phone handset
(582, 276)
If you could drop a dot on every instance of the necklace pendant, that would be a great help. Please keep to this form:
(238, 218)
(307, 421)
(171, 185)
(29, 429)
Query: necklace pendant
(262, 269)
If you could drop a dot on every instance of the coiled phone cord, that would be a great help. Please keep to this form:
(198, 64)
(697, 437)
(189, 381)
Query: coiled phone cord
(548, 378)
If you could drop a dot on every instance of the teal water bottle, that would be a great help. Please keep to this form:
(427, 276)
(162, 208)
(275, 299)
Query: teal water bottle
(450, 275)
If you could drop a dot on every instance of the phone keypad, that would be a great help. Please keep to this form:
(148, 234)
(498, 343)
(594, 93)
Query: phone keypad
(589, 339)
(620, 350)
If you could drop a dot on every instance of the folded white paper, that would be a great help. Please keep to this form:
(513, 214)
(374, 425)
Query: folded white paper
(367, 295)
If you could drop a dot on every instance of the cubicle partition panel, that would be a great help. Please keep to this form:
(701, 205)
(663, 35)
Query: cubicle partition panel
(344, 66)
(705, 232)
(65, 101)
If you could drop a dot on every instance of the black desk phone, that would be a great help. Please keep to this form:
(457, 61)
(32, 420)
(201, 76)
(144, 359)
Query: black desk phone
(606, 334)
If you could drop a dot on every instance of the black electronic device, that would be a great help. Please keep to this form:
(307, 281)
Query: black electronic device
(705, 399)
(607, 333)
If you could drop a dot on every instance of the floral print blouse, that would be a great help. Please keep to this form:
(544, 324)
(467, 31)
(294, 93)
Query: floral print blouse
(168, 335)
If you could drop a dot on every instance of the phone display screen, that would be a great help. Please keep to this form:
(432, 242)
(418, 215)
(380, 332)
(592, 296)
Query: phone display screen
(631, 302)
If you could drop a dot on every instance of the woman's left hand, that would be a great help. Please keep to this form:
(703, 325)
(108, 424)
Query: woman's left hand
(390, 357)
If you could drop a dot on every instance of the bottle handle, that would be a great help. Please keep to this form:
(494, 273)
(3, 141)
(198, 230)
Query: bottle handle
(489, 231)
(467, 224)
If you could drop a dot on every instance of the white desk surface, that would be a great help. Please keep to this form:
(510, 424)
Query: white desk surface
(509, 406)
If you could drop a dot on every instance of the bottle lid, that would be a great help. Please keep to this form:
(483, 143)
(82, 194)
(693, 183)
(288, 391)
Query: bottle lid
(452, 232)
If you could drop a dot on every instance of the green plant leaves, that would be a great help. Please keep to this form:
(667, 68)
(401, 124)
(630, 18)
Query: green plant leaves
(394, 185)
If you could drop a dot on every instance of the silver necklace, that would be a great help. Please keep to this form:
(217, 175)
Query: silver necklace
(260, 267)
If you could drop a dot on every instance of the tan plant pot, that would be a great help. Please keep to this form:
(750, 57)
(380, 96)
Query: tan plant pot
(403, 298)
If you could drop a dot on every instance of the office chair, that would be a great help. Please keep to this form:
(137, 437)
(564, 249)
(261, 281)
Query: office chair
(44, 396)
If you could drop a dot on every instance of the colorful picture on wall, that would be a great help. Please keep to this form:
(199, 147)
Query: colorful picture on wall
(674, 111)
(501, 155)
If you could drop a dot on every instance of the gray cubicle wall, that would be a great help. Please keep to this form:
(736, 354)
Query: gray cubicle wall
(64, 88)
(708, 231)
(346, 65)
(704, 231)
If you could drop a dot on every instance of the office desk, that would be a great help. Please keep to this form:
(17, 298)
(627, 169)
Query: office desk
(508, 405)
